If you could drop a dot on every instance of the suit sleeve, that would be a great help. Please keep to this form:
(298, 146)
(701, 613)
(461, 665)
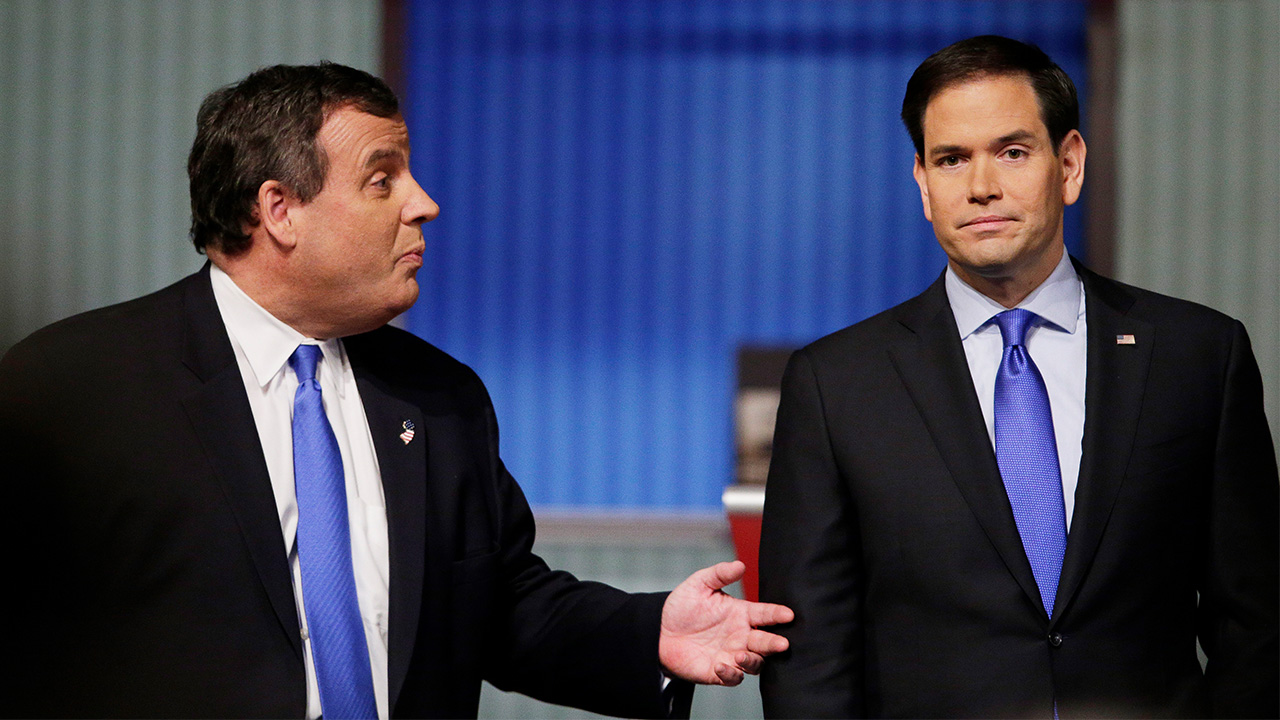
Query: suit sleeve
(1240, 593)
(21, 684)
(568, 641)
(809, 561)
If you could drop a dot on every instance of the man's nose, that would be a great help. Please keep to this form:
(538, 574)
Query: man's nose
(420, 208)
(984, 184)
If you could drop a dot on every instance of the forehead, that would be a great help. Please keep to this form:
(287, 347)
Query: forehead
(349, 137)
(984, 106)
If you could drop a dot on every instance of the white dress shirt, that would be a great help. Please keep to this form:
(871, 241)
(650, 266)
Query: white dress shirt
(1057, 346)
(262, 345)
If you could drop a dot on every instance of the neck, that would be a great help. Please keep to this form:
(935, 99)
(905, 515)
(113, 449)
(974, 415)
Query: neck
(1009, 290)
(272, 295)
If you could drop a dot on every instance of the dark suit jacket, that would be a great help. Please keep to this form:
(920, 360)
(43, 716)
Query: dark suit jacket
(888, 531)
(147, 570)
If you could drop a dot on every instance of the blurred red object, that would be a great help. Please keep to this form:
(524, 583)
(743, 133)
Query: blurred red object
(744, 504)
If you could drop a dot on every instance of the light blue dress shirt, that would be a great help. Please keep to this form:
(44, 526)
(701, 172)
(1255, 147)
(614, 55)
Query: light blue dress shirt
(1057, 346)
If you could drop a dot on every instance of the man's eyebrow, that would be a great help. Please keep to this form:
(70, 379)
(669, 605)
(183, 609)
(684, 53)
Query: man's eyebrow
(945, 150)
(383, 154)
(1015, 136)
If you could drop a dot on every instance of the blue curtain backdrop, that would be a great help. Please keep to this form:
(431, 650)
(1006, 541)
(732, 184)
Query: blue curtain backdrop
(631, 190)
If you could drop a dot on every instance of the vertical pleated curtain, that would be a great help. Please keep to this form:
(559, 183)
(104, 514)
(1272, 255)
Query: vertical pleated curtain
(98, 101)
(630, 190)
(1198, 135)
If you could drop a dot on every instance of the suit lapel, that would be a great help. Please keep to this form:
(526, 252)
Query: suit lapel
(223, 421)
(1115, 382)
(932, 365)
(402, 464)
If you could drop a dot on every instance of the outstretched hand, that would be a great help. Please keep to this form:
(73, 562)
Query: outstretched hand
(711, 638)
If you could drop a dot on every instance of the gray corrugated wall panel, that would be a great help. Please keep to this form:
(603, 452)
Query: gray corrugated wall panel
(97, 112)
(1199, 161)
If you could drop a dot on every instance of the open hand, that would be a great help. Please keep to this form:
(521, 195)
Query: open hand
(710, 637)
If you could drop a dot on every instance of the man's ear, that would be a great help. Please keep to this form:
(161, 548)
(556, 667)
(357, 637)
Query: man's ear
(1071, 153)
(917, 171)
(275, 207)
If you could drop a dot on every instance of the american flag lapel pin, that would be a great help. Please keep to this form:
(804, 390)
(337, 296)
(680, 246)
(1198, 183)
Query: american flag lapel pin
(1120, 340)
(407, 435)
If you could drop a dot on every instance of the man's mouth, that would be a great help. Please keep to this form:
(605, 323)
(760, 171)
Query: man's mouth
(413, 257)
(987, 222)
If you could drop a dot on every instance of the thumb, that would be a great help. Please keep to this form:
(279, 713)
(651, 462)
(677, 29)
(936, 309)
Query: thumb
(721, 574)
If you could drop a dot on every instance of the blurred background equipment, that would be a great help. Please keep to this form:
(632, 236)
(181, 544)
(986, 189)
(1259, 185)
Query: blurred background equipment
(760, 372)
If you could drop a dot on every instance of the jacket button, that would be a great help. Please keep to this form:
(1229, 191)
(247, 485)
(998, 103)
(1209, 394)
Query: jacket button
(1055, 639)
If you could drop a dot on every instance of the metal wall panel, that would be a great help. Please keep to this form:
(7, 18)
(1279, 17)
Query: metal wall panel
(97, 111)
(1199, 161)
(631, 189)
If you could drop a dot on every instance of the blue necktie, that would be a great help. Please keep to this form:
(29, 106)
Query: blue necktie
(1028, 455)
(338, 645)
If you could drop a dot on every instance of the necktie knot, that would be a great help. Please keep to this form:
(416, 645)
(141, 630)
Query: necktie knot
(304, 361)
(1014, 325)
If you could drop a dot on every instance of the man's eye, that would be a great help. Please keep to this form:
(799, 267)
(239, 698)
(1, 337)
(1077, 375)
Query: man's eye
(382, 183)
(1015, 153)
(950, 161)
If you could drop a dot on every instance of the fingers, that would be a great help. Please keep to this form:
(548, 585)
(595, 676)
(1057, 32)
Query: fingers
(759, 614)
(760, 642)
(722, 574)
(749, 662)
(729, 675)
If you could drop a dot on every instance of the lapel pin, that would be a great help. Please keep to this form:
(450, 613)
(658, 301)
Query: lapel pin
(407, 435)
(1120, 340)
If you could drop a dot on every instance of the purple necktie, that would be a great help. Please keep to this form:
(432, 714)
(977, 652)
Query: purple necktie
(1028, 455)
(338, 645)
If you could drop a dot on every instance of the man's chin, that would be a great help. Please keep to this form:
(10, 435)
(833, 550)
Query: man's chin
(987, 268)
(410, 297)
(376, 318)
(402, 304)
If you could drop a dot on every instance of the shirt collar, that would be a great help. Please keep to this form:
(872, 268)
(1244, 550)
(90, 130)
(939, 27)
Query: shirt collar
(266, 341)
(1059, 300)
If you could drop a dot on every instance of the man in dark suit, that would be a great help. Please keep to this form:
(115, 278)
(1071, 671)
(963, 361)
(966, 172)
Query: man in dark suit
(246, 496)
(1028, 491)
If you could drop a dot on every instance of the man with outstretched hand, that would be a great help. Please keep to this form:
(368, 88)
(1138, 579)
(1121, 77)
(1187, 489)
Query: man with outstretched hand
(246, 495)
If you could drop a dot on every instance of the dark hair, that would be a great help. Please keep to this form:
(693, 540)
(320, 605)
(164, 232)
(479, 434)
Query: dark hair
(264, 128)
(992, 55)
